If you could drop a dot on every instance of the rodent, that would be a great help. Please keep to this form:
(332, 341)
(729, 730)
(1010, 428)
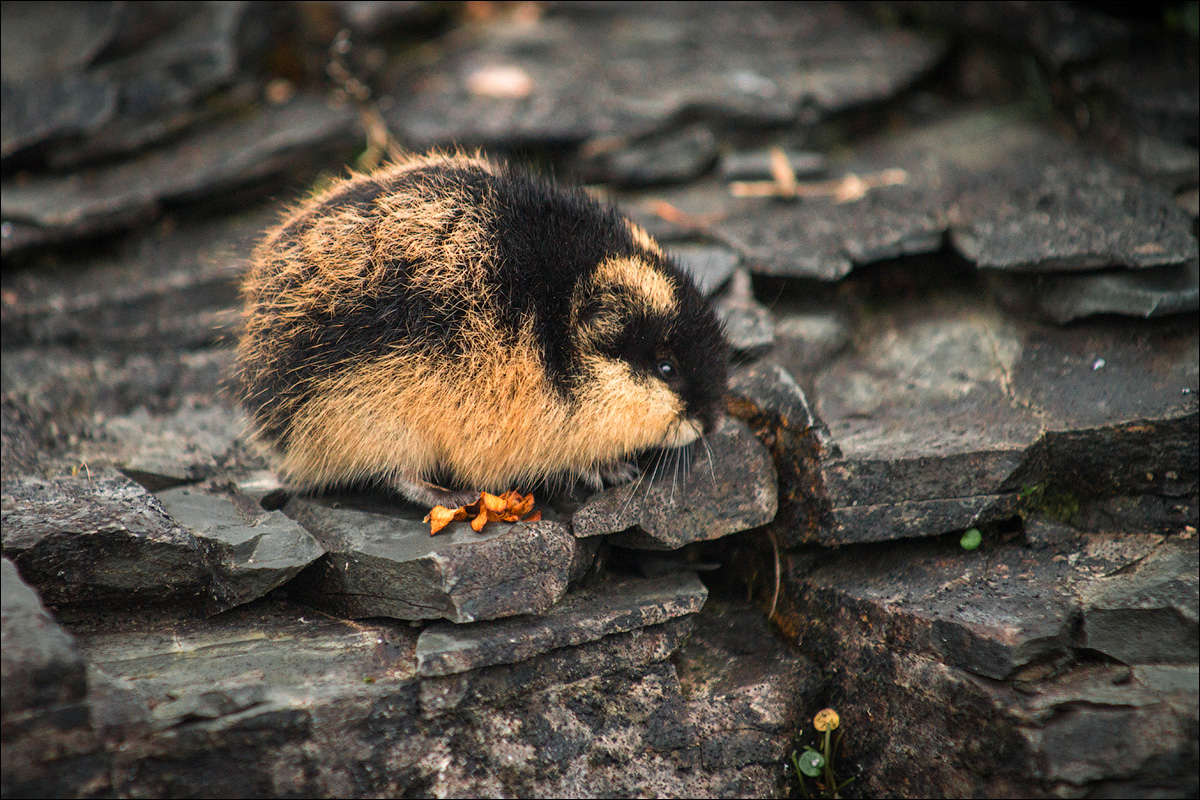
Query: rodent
(448, 324)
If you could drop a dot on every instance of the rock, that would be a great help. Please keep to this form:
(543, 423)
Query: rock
(381, 561)
(42, 665)
(99, 540)
(749, 325)
(634, 72)
(914, 626)
(730, 488)
(1064, 298)
(249, 550)
(669, 157)
(807, 341)
(1147, 615)
(709, 266)
(176, 286)
(1011, 195)
(764, 396)
(161, 452)
(582, 616)
(232, 153)
(1060, 34)
(945, 416)
(142, 74)
(48, 745)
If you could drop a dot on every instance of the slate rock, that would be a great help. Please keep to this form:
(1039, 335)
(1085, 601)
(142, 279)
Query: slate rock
(749, 325)
(164, 451)
(1011, 195)
(232, 153)
(99, 539)
(948, 411)
(1064, 298)
(585, 615)
(729, 488)
(668, 157)
(48, 745)
(985, 648)
(766, 398)
(42, 665)
(174, 286)
(807, 341)
(747, 690)
(248, 695)
(628, 652)
(249, 550)
(381, 561)
(1147, 615)
(635, 71)
(710, 266)
(144, 69)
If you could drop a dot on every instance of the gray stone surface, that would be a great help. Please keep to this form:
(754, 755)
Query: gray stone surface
(120, 76)
(668, 157)
(947, 412)
(710, 266)
(585, 615)
(175, 287)
(230, 154)
(47, 744)
(916, 626)
(633, 72)
(1011, 196)
(381, 561)
(164, 451)
(749, 325)
(729, 488)
(249, 550)
(1065, 298)
(41, 663)
(99, 540)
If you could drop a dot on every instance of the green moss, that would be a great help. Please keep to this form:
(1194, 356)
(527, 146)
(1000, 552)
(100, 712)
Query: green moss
(1043, 500)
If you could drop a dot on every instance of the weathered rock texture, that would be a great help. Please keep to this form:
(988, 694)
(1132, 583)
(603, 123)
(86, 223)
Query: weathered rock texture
(1060, 665)
(381, 561)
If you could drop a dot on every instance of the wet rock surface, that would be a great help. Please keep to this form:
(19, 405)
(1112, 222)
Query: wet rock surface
(955, 252)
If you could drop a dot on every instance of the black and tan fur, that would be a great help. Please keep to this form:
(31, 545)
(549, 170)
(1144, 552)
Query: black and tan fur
(448, 322)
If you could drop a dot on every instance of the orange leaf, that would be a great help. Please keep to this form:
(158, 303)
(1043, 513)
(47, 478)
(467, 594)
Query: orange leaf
(479, 521)
(438, 518)
(534, 517)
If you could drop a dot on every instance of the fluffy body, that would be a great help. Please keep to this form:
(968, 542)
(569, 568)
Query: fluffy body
(446, 324)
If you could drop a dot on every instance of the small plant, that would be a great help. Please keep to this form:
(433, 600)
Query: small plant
(818, 764)
(971, 539)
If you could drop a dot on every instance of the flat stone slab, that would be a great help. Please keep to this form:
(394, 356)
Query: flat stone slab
(41, 662)
(573, 76)
(586, 615)
(99, 540)
(1010, 195)
(729, 488)
(249, 550)
(232, 153)
(174, 285)
(381, 561)
(948, 411)
(267, 683)
(1064, 298)
(164, 451)
(988, 648)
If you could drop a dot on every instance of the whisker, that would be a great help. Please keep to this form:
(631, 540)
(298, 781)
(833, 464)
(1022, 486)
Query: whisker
(712, 471)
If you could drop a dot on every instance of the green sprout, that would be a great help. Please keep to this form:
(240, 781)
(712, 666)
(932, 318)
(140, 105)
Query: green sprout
(818, 764)
(971, 539)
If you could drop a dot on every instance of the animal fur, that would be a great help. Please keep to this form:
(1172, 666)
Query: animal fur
(446, 324)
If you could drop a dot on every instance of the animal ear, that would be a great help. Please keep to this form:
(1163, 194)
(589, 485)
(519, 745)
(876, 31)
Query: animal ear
(596, 313)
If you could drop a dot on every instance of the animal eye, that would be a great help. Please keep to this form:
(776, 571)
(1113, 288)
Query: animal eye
(666, 369)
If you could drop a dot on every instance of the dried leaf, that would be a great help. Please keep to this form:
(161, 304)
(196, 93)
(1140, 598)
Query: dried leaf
(438, 518)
